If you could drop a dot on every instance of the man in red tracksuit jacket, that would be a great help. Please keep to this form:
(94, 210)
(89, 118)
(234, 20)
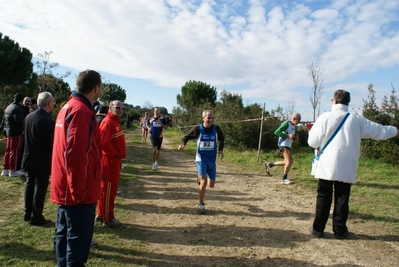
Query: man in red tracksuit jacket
(76, 171)
(113, 151)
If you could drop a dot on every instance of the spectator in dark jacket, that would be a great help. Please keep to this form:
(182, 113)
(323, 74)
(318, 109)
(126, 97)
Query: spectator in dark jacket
(36, 161)
(13, 118)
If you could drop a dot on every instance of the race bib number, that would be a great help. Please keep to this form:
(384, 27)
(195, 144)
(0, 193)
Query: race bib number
(206, 145)
(156, 124)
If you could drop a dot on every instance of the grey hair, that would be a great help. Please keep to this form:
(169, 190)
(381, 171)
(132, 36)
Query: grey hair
(206, 111)
(44, 98)
(296, 115)
(113, 103)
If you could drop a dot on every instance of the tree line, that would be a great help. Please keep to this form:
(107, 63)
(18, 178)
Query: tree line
(17, 76)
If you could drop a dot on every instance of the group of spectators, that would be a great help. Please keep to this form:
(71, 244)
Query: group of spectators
(81, 151)
(29, 129)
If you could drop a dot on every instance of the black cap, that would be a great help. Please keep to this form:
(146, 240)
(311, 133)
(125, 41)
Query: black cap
(18, 97)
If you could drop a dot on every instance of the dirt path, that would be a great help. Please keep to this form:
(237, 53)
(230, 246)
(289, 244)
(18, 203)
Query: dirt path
(251, 220)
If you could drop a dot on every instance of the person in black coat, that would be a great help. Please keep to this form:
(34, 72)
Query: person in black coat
(36, 161)
(13, 123)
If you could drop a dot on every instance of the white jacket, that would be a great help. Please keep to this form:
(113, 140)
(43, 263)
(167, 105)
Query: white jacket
(340, 159)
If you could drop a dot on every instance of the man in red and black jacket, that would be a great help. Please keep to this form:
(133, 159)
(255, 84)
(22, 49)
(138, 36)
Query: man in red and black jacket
(76, 171)
(113, 151)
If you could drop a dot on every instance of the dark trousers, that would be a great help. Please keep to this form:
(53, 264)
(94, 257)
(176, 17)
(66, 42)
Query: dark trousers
(325, 190)
(35, 194)
(73, 234)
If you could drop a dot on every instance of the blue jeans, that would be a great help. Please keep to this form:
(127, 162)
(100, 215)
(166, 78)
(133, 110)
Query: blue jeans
(73, 234)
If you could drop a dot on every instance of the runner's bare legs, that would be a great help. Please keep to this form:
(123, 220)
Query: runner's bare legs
(204, 181)
(288, 160)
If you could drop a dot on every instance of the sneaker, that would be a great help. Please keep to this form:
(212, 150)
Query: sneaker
(267, 166)
(5, 172)
(113, 223)
(154, 167)
(201, 208)
(98, 219)
(287, 181)
(15, 173)
(156, 164)
(315, 233)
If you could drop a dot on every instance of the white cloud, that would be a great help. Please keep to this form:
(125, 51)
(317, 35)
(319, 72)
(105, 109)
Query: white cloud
(262, 47)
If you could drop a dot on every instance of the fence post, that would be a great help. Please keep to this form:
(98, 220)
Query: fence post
(260, 133)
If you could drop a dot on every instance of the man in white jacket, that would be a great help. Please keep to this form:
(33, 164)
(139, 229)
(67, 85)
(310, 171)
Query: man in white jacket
(337, 166)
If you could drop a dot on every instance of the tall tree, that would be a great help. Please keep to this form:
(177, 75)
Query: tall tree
(16, 69)
(196, 94)
(194, 98)
(278, 112)
(370, 104)
(15, 63)
(47, 80)
(112, 91)
(315, 74)
(393, 101)
(62, 91)
(237, 134)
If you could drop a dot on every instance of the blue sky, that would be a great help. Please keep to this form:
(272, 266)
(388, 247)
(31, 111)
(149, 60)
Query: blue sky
(258, 49)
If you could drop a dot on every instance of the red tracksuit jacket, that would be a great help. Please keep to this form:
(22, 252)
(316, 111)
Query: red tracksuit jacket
(76, 157)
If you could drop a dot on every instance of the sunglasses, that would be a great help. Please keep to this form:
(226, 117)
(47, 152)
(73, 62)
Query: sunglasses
(210, 118)
(118, 108)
